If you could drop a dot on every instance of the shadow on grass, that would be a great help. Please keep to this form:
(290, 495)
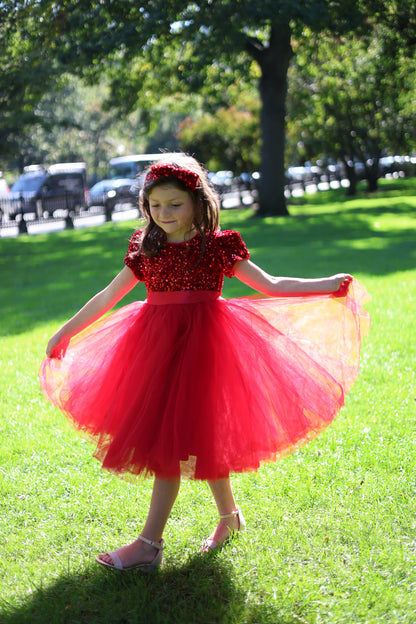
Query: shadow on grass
(200, 591)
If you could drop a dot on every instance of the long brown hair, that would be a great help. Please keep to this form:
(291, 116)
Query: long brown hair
(206, 204)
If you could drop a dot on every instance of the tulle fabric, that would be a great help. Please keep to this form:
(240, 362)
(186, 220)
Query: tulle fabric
(195, 385)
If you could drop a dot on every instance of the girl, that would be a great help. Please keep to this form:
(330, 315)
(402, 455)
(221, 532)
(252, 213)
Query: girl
(187, 383)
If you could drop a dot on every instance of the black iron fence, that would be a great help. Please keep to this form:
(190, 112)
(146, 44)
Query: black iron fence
(23, 215)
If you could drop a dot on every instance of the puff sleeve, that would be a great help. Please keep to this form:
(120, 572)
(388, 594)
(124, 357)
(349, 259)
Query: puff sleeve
(231, 248)
(132, 258)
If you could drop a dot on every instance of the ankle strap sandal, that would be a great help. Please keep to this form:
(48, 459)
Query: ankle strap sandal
(116, 563)
(210, 544)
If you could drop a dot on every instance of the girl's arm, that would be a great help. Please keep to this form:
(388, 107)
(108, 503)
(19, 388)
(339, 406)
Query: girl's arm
(101, 303)
(252, 275)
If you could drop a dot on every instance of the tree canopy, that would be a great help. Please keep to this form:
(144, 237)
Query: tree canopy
(357, 98)
(28, 71)
(153, 48)
(228, 138)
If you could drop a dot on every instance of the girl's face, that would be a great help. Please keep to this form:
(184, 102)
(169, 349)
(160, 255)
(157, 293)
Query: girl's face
(172, 210)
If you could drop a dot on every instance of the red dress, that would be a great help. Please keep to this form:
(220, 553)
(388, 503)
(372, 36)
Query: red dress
(189, 383)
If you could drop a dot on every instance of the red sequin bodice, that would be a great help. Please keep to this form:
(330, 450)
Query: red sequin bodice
(177, 268)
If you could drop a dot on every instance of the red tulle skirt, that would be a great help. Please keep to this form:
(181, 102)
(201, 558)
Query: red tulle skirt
(187, 383)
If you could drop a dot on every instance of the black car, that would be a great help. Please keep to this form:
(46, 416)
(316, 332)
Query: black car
(44, 190)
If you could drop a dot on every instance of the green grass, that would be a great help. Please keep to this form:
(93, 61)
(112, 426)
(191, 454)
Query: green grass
(331, 529)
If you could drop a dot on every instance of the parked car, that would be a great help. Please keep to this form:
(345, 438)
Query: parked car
(136, 164)
(112, 192)
(44, 190)
(298, 175)
(222, 181)
(248, 180)
(393, 164)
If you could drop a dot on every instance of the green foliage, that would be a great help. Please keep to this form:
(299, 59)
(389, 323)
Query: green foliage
(331, 531)
(198, 51)
(77, 127)
(228, 139)
(157, 48)
(351, 98)
(27, 72)
(399, 18)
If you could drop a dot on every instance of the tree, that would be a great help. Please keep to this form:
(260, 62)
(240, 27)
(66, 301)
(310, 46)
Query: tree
(190, 47)
(226, 139)
(27, 73)
(70, 124)
(156, 47)
(76, 127)
(357, 100)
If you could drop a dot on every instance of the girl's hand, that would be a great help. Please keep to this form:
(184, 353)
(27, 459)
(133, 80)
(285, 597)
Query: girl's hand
(339, 282)
(57, 346)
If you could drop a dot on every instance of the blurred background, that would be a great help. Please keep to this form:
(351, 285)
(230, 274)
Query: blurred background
(274, 98)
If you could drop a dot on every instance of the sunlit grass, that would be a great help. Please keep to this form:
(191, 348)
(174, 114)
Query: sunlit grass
(331, 530)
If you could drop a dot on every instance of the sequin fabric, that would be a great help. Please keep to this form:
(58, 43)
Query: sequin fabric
(176, 268)
(189, 178)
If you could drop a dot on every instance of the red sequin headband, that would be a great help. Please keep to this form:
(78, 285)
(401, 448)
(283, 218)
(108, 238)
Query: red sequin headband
(189, 178)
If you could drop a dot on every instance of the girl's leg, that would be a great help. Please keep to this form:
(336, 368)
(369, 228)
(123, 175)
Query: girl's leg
(163, 497)
(224, 498)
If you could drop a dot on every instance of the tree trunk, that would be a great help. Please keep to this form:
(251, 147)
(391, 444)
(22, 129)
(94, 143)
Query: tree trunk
(352, 179)
(372, 173)
(274, 64)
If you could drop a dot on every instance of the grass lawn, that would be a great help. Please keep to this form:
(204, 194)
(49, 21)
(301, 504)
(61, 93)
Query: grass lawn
(331, 529)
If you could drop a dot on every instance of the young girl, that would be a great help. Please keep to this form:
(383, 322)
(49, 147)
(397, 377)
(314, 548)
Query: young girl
(189, 384)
